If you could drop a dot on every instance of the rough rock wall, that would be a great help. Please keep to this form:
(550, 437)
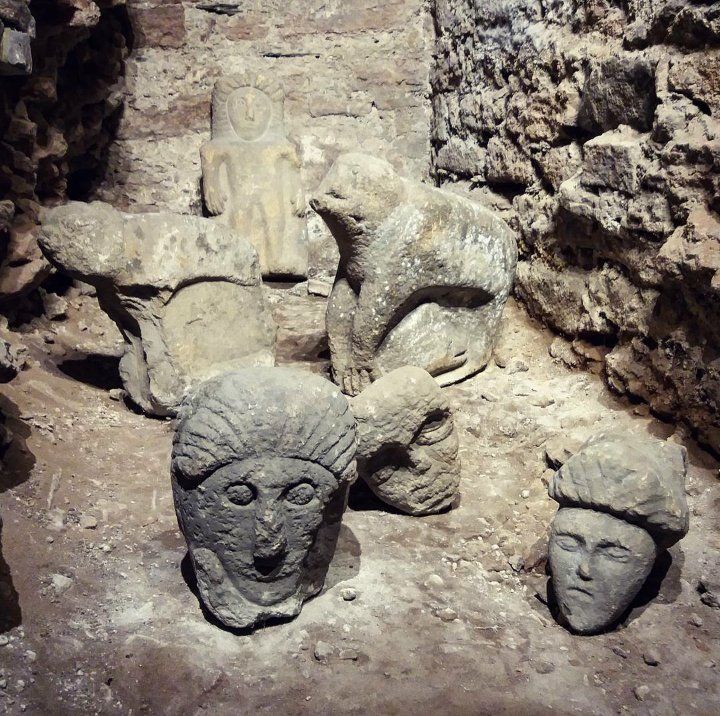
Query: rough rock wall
(594, 125)
(356, 77)
(56, 118)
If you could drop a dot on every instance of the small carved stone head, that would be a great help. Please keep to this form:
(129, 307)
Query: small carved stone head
(622, 501)
(247, 107)
(407, 442)
(262, 461)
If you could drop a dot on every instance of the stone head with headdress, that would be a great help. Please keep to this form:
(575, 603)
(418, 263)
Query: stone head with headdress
(622, 502)
(261, 464)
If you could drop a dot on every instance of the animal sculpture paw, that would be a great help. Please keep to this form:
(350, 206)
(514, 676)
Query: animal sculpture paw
(355, 380)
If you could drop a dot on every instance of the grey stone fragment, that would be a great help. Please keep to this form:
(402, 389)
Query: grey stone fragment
(15, 53)
(622, 502)
(261, 465)
(407, 442)
(184, 291)
(423, 275)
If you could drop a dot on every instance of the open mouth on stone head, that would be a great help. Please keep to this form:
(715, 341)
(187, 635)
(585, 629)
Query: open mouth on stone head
(268, 568)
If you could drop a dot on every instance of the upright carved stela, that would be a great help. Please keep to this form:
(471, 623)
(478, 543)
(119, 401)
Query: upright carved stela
(251, 173)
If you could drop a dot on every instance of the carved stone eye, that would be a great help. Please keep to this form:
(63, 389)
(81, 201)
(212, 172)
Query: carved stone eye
(436, 427)
(241, 494)
(300, 494)
(568, 543)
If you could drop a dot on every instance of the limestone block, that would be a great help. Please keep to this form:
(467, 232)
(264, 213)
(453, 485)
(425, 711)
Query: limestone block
(261, 465)
(423, 275)
(614, 160)
(251, 173)
(407, 442)
(622, 502)
(185, 293)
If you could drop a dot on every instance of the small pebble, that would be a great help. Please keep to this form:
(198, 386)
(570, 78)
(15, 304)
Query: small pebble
(620, 652)
(517, 365)
(641, 692)
(348, 655)
(447, 614)
(348, 594)
(4, 641)
(651, 658)
(116, 393)
(696, 620)
(434, 580)
(544, 667)
(88, 522)
(525, 494)
(323, 651)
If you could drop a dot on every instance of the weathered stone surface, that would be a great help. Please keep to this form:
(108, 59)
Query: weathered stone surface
(251, 173)
(598, 123)
(261, 465)
(407, 442)
(185, 293)
(622, 501)
(423, 275)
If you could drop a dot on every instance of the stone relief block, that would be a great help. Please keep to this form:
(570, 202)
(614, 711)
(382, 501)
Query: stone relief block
(262, 462)
(251, 173)
(622, 503)
(185, 292)
(423, 275)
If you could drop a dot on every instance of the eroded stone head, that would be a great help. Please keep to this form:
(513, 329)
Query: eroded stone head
(407, 442)
(622, 502)
(262, 461)
(357, 191)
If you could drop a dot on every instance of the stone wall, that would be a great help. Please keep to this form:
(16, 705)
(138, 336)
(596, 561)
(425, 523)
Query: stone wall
(594, 126)
(57, 111)
(356, 77)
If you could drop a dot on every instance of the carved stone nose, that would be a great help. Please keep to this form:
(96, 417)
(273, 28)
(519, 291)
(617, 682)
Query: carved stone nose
(583, 570)
(270, 542)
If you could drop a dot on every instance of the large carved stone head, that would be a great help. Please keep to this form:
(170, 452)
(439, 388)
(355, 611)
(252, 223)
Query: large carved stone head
(262, 461)
(622, 501)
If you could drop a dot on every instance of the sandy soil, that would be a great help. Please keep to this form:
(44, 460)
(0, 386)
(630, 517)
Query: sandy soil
(98, 616)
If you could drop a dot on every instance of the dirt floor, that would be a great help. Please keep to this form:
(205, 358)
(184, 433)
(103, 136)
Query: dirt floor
(98, 616)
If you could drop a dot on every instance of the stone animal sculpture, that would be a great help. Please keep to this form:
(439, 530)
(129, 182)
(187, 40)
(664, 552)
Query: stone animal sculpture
(407, 442)
(261, 465)
(622, 502)
(251, 173)
(185, 292)
(422, 279)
